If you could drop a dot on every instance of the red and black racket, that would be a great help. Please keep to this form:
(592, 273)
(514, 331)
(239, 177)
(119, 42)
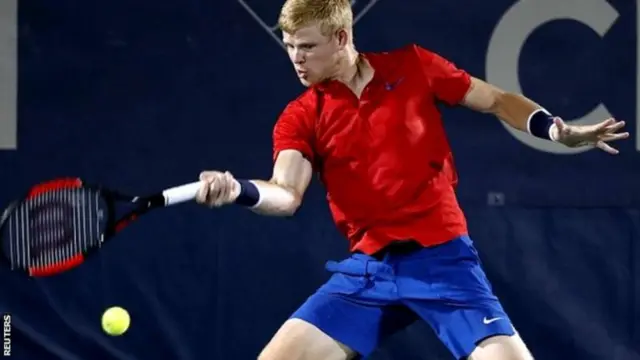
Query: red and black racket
(58, 223)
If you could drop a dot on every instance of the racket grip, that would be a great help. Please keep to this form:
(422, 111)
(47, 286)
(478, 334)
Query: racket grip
(182, 193)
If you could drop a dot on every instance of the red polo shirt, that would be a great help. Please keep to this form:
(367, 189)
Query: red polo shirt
(384, 159)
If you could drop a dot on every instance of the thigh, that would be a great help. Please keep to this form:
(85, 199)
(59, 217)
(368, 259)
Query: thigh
(449, 290)
(361, 327)
(463, 326)
(501, 348)
(299, 340)
(357, 307)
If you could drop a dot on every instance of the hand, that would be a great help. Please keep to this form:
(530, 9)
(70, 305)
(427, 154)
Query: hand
(584, 135)
(218, 189)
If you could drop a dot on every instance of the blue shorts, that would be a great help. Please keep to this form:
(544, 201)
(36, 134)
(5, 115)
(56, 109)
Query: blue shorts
(369, 298)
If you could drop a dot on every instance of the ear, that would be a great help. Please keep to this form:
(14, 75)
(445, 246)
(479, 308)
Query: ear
(343, 38)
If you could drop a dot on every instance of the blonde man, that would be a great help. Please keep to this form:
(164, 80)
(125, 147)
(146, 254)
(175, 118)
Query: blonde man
(368, 124)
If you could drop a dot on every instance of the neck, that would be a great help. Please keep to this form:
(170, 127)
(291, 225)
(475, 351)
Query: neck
(348, 70)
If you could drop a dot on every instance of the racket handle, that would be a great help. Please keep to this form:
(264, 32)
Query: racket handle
(182, 193)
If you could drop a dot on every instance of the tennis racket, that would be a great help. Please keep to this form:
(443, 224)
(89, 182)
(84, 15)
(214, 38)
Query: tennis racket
(58, 223)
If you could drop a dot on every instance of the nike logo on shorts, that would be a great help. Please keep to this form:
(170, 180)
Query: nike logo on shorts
(489, 321)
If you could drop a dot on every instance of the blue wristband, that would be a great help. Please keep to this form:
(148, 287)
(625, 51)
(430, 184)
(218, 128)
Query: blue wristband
(249, 194)
(539, 123)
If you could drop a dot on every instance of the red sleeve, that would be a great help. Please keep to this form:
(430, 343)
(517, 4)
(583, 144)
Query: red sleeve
(447, 82)
(294, 131)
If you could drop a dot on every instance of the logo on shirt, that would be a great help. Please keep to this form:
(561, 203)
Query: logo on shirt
(265, 13)
(392, 85)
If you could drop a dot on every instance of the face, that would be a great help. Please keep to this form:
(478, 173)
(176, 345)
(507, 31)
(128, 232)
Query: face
(315, 56)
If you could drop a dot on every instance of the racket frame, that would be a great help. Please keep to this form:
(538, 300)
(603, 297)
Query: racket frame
(113, 223)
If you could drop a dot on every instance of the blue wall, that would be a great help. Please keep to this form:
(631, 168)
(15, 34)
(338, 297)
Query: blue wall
(142, 95)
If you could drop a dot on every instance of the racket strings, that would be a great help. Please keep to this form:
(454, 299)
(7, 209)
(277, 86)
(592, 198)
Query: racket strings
(53, 227)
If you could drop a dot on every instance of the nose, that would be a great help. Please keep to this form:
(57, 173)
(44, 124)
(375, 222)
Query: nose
(298, 57)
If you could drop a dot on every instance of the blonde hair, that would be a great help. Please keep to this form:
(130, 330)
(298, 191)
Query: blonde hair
(331, 15)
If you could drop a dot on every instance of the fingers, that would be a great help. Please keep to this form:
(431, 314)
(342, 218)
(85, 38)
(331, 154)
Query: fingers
(217, 196)
(560, 124)
(203, 192)
(603, 139)
(614, 137)
(607, 123)
(614, 127)
(605, 147)
(216, 189)
(230, 183)
(608, 131)
(224, 185)
(597, 135)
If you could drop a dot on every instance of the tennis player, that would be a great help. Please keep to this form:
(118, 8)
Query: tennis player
(368, 124)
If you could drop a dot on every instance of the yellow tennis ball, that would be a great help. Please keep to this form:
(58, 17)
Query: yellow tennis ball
(115, 321)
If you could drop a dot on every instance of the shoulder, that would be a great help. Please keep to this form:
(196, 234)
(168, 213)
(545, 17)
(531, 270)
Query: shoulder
(298, 113)
(303, 103)
(430, 62)
(405, 56)
(400, 52)
(294, 128)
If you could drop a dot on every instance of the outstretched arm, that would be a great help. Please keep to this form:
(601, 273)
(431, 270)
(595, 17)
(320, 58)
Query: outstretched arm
(525, 115)
(511, 108)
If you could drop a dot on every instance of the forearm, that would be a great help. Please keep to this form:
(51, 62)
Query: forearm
(282, 195)
(514, 109)
(268, 198)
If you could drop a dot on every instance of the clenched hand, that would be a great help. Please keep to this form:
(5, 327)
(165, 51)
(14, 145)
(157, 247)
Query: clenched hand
(218, 189)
